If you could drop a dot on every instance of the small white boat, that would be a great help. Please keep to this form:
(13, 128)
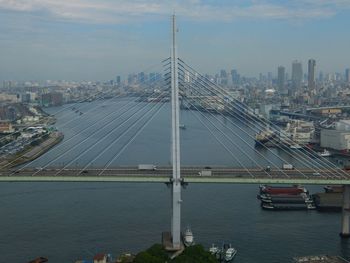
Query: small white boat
(182, 126)
(325, 153)
(230, 253)
(295, 147)
(214, 250)
(188, 237)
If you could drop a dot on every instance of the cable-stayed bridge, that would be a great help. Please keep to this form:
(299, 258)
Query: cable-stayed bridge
(185, 86)
(189, 175)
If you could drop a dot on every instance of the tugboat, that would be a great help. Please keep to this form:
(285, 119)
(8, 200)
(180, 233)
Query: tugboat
(188, 237)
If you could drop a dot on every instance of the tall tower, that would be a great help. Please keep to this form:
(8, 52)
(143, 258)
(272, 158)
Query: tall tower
(297, 75)
(311, 75)
(281, 74)
(176, 178)
(347, 75)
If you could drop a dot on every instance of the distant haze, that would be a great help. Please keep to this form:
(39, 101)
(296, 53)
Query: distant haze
(99, 39)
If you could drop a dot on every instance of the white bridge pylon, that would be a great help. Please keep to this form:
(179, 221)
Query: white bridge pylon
(175, 138)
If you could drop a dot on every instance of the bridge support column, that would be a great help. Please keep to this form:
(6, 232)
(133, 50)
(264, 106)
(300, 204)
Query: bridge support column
(345, 222)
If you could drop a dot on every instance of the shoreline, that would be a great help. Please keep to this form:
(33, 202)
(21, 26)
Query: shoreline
(33, 152)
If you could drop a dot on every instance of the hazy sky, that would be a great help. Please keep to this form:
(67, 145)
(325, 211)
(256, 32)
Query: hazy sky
(99, 39)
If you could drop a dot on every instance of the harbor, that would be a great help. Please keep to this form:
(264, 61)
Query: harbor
(298, 197)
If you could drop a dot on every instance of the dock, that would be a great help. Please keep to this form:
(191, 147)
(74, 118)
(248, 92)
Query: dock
(328, 201)
(319, 259)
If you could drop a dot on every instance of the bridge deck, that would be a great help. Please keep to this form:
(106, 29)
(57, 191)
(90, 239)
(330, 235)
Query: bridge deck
(189, 174)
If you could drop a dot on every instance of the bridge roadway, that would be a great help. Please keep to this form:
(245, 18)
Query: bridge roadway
(189, 175)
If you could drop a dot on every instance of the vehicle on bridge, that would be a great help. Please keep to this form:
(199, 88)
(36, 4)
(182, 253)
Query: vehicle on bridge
(205, 173)
(147, 167)
(287, 166)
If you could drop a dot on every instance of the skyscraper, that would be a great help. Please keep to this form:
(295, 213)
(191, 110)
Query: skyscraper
(297, 75)
(311, 75)
(347, 75)
(118, 80)
(281, 73)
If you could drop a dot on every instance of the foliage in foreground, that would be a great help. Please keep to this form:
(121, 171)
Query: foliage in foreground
(193, 254)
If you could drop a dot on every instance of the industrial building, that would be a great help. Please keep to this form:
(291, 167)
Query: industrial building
(338, 138)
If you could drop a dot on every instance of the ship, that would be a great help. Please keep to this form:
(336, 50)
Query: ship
(290, 190)
(266, 138)
(287, 206)
(285, 198)
(291, 199)
(188, 237)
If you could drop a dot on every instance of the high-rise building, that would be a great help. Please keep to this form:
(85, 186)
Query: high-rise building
(311, 74)
(297, 75)
(347, 75)
(235, 77)
(118, 80)
(321, 77)
(281, 73)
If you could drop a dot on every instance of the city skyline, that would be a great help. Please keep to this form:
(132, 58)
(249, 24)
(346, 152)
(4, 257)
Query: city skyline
(93, 40)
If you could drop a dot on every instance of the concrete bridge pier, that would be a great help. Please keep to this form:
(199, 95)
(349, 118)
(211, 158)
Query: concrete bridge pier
(345, 222)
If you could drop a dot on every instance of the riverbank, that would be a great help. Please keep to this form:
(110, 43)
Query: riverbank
(32, 152)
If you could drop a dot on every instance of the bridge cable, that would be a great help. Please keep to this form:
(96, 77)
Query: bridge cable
(110, 132)
(65, 142)
(132, 139)
(237, 135)
(110, 145)
(227, 95)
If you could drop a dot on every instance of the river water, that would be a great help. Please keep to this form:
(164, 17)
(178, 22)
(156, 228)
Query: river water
(70, 221)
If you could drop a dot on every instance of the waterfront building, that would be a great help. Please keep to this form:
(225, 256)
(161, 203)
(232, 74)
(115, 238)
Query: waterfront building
(311, 76)
(335, 139)
(52, 99)
(300, 132)
(338, 138)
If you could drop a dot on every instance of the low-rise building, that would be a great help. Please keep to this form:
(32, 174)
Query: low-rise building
(6, 127)
(100, 258)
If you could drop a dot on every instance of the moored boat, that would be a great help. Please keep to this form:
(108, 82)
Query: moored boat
(295, 147)
(280, 190)
(188, 237)
(214, 250)
(325, 153)
(230, 253)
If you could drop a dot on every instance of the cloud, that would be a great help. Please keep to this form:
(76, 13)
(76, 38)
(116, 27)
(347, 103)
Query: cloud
(126, 11)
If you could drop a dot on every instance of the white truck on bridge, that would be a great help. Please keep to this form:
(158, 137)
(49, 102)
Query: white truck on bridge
(287, 166)
(205, 173)
(147, 167)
